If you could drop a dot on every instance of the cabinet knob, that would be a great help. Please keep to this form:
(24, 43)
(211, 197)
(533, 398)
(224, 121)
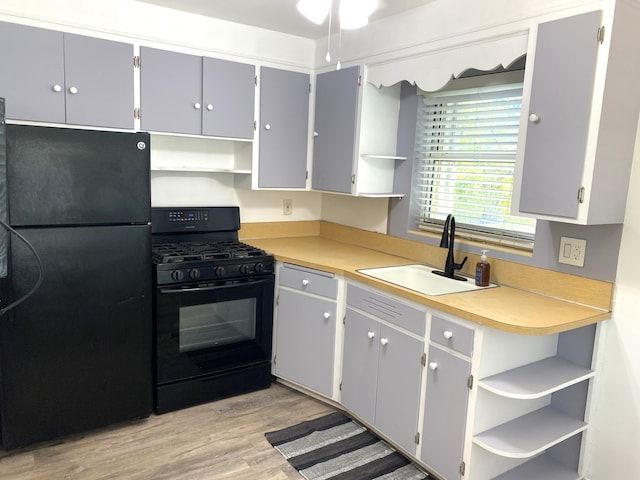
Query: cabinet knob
(447, 334)
(267, 126)
(533, 118)
(73, 90)
(315, 134)
(197, 106)
(371, 335)
(326, 315)
(305, 282)
(56, 88)
(384, 341)
(209, 107)
(433, 365)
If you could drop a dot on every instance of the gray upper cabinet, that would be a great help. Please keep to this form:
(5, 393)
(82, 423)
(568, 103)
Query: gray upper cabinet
(335, 129)
(284, 124)
(57, 77)
(579, 119)
(559, 109)
(228, 98)
(189, 94)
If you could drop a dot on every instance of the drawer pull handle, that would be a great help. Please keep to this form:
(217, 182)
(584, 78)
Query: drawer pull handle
(447, 334)
(433, 365)
(326, 315)
(384, 341)
(371, 335)
(305, 282)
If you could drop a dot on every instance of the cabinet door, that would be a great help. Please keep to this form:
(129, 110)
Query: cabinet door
(445, 412)
(170, 91)
(561, 95)
(360, 364)
(398, 392)
(284, 124)
(32, 79)
(100, 72)
(335, 125)
(228, 98)
(305, 340)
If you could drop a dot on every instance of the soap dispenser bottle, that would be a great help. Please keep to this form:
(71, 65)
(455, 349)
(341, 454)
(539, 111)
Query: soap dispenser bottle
(483, 270)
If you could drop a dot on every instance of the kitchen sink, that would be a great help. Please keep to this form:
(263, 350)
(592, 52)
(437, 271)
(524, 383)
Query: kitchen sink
(421, 279)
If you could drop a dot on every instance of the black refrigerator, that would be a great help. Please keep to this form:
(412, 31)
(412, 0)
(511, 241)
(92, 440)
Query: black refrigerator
(75, 354)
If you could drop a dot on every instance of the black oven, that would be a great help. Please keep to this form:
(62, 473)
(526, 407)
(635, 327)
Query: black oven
(213, 312)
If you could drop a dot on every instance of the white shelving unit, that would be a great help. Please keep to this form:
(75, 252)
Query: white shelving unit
(531, 405)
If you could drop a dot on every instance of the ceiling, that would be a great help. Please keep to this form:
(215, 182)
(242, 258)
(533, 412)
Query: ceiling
(278, 15)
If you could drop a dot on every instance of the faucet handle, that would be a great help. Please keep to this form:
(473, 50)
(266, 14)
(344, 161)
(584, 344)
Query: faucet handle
(458, 266)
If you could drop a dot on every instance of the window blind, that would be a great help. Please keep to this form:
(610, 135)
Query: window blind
(465, 158)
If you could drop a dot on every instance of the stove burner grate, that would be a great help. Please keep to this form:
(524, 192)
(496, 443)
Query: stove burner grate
(196, 251)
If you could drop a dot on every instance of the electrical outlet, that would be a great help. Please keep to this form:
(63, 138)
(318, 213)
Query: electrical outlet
(287, 206)
(572, 251)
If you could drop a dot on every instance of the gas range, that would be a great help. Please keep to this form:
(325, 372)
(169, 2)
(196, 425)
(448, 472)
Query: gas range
(201, 244)
(213, 307)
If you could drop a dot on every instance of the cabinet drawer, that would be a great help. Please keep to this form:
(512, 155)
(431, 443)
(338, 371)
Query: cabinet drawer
(387, 308)
(309, 280)
(452, 335)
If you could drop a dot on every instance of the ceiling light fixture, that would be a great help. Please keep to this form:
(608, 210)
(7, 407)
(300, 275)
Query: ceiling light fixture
(352, 14)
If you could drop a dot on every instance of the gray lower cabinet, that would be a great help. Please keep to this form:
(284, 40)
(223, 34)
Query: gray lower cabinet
(335, 130)
(382, 365)
(189, 94)
(284, 128)
(305, 334)
(445, 412)
(57, 77)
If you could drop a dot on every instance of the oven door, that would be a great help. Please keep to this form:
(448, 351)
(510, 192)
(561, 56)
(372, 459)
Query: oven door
(208, 329)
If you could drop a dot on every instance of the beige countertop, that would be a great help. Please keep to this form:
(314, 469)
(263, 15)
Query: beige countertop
(504, 308)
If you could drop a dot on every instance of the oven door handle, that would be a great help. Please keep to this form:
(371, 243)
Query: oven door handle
(214, 287)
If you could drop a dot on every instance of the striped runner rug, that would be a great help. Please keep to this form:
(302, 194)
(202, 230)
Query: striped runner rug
(334, 447)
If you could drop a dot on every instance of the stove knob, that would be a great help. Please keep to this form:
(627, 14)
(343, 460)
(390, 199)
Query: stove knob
(177, 275)
(218, 271)
(244, 268)
(194, 274)
(259, 267)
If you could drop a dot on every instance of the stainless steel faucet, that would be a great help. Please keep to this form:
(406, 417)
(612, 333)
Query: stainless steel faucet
(448, 237)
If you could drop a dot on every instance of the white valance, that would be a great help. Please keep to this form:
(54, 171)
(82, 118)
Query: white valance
(432, 70)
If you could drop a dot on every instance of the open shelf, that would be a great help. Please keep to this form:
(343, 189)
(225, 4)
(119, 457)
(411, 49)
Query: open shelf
(384, 157)
(536, 379)
(529, 435)
(381, 195)
(190, 168)
(540, 467)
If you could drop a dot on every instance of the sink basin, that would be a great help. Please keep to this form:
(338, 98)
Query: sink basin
(421, 279)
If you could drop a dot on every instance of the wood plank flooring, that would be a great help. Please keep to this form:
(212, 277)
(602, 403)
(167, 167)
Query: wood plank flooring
(218, 440)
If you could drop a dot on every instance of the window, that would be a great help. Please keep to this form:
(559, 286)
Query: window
(465, 154)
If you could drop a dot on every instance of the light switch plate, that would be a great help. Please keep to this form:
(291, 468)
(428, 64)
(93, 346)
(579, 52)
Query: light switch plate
(572, 251)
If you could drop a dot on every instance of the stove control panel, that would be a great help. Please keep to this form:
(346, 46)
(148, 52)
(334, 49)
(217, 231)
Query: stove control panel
(168, 274)
(194, 219)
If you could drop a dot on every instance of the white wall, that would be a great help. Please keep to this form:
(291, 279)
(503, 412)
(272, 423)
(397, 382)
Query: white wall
(612, 452)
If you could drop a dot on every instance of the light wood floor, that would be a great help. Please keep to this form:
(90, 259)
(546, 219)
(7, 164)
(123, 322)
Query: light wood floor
(219, 440)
